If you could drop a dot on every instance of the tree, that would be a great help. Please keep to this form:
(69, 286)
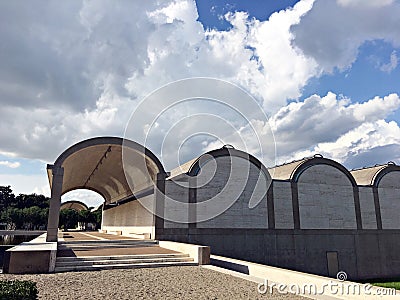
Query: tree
(7, 197)
(23, 211)
(68, 218)
(98, 214)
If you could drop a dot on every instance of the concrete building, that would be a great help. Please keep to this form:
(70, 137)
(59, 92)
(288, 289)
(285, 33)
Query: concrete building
(311, 215)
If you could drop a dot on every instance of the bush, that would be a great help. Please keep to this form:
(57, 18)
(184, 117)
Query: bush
(18, 290)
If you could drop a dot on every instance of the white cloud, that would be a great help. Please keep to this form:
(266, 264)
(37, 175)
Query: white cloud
(90, 198)
(392, 64)
(332, 33)
(26, 184)
(363, 139)
(12, 165)
(363, 3)
(82, 75)
(332, 125)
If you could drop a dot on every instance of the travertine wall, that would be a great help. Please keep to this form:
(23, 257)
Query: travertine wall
(367, 207)
(176, 210)
(389, 200)
(282, 194)
(234, 182)
(326, 199)
(130, 217)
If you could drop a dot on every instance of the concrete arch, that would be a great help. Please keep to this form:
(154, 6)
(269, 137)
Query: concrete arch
(97, 164)
(74, 204)
(320, 200)
(327, 195)
(195, 166)
(237, 181)
(299, 170)
(383, 172)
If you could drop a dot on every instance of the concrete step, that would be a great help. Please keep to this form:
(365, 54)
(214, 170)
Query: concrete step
(85, 245)
(122, 261)
(108, 242)
(123, 266)
(120, 257)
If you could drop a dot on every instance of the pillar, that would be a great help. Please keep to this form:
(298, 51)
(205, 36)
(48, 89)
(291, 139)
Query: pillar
(159, 197)
(55, 202)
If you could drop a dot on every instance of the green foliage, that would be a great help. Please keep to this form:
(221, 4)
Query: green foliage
(97, 216)
(18, 290)
(6, 197)
(31, 211)
(395, 285)
(69, 218)
(23, 211)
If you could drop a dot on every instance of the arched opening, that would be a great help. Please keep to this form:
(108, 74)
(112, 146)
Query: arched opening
(97, 164)
(80, 210)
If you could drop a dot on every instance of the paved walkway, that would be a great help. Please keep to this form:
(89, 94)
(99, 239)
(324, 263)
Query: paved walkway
(104, 250)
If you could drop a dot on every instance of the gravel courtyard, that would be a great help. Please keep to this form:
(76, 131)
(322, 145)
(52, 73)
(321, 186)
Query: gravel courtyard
(151, 283)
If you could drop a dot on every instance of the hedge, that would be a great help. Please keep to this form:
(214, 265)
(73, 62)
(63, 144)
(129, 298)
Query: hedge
(18, 290)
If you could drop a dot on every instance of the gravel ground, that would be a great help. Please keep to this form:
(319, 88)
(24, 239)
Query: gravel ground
(151, 283)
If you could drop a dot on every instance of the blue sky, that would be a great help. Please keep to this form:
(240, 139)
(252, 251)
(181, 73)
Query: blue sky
(325, 71)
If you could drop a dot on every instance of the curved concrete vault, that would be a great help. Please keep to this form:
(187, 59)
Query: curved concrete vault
(115, 168)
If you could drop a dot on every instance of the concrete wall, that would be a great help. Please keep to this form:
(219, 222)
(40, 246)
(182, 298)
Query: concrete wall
(231, 184)
(130, 217)
(389, 200)
(326, 199)
(283, 209)
(367, 207)
(362, 254)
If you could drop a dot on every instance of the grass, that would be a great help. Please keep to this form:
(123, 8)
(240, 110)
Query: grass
(395, 284)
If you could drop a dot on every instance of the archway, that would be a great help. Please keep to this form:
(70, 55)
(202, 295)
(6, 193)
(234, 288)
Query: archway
(96, 164)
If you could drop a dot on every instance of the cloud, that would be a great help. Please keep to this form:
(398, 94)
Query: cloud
(390, 66)
(363, 3)
(26, 184)
(333, 126)
(12, 165)
(332, 33)
(74, 70)
(90, 198)
(83, 75)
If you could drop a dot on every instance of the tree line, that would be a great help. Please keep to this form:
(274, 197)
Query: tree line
(30, 212)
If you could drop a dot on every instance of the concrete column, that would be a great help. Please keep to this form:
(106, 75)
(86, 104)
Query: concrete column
(357, 206)
(192, 213)
(55, 202)
(295, 205)
(377, 207)
(270, 206)
(159, 203)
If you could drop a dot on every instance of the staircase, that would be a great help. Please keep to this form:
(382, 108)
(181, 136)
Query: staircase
(107, 262)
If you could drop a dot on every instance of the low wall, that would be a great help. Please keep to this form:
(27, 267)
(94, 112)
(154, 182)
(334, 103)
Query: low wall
(362, 254)
(200, 254)
(36, 256)
(313, 286)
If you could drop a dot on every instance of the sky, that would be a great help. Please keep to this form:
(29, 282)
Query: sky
(325, 72)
